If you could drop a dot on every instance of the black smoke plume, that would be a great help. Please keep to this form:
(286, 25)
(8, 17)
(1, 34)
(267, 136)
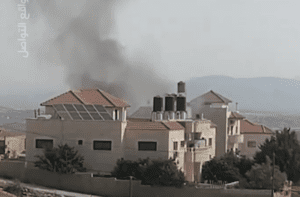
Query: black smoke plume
(82, 42)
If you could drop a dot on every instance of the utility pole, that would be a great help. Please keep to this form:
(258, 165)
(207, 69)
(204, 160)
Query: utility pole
(273, 174)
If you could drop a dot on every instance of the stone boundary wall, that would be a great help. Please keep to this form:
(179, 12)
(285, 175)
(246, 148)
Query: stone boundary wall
(84, 183)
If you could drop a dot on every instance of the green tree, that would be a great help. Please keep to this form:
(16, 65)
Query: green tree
(287, 151)
(150, 172)
(224, 168)
(63, 159)
(164, 173)
(259, 177)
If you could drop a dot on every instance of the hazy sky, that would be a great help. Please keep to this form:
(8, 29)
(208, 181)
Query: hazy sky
(179, 39)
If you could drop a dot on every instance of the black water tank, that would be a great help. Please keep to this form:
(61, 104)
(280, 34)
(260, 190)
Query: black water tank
(169, 103)
(181, 103)
(157, 104)
(181, 87)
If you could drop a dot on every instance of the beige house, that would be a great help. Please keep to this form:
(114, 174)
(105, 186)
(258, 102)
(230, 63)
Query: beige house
(254, 135)
(91, 120)
(95, 123)
(11, 143)
(214, 107)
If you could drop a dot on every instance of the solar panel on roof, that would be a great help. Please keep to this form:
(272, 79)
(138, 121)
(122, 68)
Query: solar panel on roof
(79, 107)
(64, 115)
(75, 116)
(86, 116)
(106, 116)
(69, 107)
(100, 108)
(96, 116)
(90, 108)
(59, 107)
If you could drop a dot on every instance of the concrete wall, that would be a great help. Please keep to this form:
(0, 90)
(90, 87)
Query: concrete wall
(219, 117)
(177, 136)
(15, 144)
(132, 137)
(71, 131)
(203, 127)
(250, 151)
(84, 183)
(164, 139)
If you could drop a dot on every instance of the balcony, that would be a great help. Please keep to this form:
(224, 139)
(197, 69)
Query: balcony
(233, 139)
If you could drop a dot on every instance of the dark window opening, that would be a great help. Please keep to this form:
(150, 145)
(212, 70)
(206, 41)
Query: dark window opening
(80, 142)
(116, 115)
(102, 145)
(43, 143)
(251, 144)
(182, 143)
(210, 142)
(2, 147)
(147, 146)
(175, 145)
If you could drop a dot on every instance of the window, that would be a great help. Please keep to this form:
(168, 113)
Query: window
(102, 145)
(210, 142)
(197, 136)
(197, 116)
(175, 145)
(42, 143)
(2, 146)
(80, 142)
(251, 144)
(182, 143)
(236, 130)
(231, 130)
(116, 115)
(147, 146)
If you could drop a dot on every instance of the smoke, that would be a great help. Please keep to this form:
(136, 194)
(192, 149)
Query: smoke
(81, 39)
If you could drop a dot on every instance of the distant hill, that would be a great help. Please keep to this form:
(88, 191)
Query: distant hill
(259, 94)
(273, 102)
(9, 116)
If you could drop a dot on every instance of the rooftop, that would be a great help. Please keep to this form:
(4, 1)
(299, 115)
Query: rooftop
(147, 125)
(213, 97)
(248, 127)
(87, 97)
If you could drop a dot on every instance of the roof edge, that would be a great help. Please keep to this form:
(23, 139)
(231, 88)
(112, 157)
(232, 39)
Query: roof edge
(77, 97)
(100, 91)
(43, 103)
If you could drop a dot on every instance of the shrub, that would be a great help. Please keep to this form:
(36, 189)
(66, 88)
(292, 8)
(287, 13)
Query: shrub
(150, 172)
(63, 159)
(259, 177)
